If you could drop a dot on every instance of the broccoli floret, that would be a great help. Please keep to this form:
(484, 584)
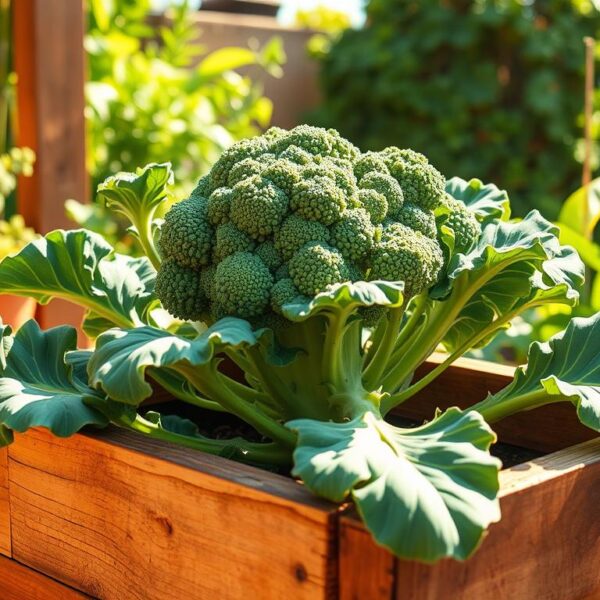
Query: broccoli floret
(342, 148)
(421, 182)
(409, 256)
(418, 219)
(354, 234)
(375, 204)
(318, 199)
(202, 188)
(371, 315)
(186, 235)
(388, 187)
(284, 174)
(242, 285)
(207, 282)
(316, 266)
(178, 288)
(250, 148)
(462, 222)
(296, 155)
(269, 255)
(369, 162)
(313, 140)
(295, 232)
(229, 240)
(258, 206)
(283, 292)
(244, 169)
(219, 205)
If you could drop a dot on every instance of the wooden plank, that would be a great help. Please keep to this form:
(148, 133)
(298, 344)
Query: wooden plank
(297, 91)
(547, 544)
(363, 575)
(181, 524)
(5, 545)
(468, 381)
(49, 62)
(18, 582)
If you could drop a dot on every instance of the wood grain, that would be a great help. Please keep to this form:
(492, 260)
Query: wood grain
(18, 582)
(468, 381)
(547, 545)
(87, 510)
(49, 62)
(5, 544)
(364, 575)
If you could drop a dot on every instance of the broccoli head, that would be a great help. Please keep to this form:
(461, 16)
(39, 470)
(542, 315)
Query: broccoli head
(290, 213)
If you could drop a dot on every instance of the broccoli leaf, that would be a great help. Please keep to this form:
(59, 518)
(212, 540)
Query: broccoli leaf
(137, 196)
(79, 266)
(517, 288)
(37, 387)
(566, 368)
(121, 358)
(488, 202)
(424, 493)
(345, 296)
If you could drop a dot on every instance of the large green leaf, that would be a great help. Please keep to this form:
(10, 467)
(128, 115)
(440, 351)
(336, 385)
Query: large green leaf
(517, 288)
(424, 493)
(81, 267)
(344, 296)
(37, 387)
(122, 357)
(567, 367)
(487, 201)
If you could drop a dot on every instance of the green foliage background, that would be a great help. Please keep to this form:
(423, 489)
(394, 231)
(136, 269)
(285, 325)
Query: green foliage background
(486, 88)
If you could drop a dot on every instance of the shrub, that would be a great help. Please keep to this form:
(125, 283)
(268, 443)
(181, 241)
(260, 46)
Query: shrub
(486, 88)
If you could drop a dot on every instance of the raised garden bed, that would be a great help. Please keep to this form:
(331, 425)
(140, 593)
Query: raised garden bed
(114, 515)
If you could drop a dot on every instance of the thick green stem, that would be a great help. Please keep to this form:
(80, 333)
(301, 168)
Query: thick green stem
(146, 239)
(414, 319)
(268, 453)
(380, 360)
(217, 386)
(495, 408)
(333, 345)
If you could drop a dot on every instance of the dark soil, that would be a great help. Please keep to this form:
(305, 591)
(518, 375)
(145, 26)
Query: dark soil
(224, 426)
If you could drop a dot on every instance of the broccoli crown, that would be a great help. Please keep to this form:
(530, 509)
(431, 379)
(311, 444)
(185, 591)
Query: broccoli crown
(289, 213)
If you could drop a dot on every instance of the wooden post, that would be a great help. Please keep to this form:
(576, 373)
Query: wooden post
(49, 62)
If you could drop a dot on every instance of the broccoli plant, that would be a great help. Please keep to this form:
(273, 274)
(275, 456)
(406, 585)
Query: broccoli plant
(327, 276)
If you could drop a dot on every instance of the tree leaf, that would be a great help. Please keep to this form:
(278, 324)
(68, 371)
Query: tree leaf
(122, 357)
(567, 367)
(424, 493)
(346, 295)
(572, 211)
(488, 202)
(79, 266)
(225, 59)
(587, 249)
(37, 388)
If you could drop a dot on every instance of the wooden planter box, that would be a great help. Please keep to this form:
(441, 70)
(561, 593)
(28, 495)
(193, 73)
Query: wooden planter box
(112, 515)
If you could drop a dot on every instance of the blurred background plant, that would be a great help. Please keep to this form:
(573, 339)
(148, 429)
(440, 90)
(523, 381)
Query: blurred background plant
(486, 88)
(13, 161)
(155, 94)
